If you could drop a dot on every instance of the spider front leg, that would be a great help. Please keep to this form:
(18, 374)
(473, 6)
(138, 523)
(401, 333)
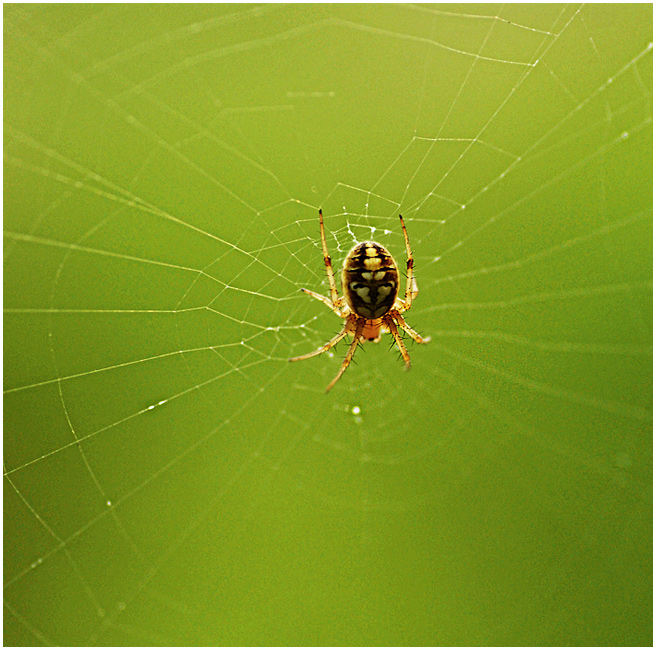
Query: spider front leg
(359, 326)
(406, 328)
(348, 327)
(389, 321)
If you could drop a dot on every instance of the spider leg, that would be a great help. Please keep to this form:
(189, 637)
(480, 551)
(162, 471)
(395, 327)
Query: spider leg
(359, 326)
(328, 262)
(411, 289)
(406, 328)
(337, 308)
(348, 327)
(399, 341)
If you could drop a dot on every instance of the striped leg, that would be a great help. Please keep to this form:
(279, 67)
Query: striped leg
(351, 351)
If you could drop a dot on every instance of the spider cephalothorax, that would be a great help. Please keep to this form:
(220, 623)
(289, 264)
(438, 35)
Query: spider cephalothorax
(371, 306)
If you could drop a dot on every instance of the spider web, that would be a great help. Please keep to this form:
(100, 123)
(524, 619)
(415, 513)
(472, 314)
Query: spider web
(170, 479)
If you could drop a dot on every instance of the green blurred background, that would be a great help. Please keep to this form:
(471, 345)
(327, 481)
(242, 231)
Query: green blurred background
(171, 479)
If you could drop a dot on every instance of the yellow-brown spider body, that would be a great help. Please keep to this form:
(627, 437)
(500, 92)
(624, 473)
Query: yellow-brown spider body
(371, 305)
(370, 280)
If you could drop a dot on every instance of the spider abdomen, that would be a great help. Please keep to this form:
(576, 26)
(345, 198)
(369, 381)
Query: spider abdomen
(370, 280)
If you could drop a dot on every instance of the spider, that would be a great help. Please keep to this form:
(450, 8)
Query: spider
(371, 306)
